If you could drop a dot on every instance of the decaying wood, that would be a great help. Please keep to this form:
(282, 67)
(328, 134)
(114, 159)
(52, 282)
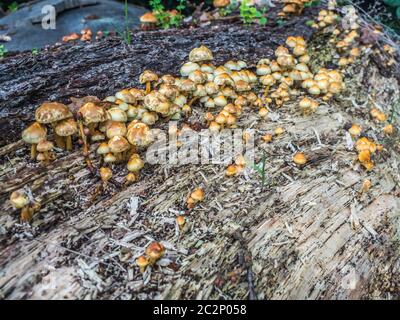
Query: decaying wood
(105, 67)
(309, 234)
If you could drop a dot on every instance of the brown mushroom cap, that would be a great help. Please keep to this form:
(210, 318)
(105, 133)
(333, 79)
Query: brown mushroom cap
(92, 113)
(34, 133)
(116, 129)
(201, 53)
(221, 3)
(19, 199)
(50, 112)
(66, 127)
(138, 94)
(118, 144)
(44, 146)
(148, 17)
(139, 134)
(126, 96)
(148, 76)
(242, 86)
(135, 163)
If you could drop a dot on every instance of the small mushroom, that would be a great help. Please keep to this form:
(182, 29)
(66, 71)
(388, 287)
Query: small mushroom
(45, 147)
(19, 200)
(142, 263)
(300, 159)
(147, 77)
(90, 114)
(118, 146)
(154, 252)
(180, 221)
(33, 135)
(67, 128)
(200, 54)
(105, 174)
(51, 113)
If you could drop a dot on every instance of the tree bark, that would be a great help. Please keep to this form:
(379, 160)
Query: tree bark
(309, 233)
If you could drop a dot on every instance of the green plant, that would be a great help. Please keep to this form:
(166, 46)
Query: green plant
(35, 51)
(260, 168)
(233, 5)
(12, 7)
(309, 23)
(166, 19)
(126, 34)
(312, 3)
(3, 51)
(249, 13)
(395, 4)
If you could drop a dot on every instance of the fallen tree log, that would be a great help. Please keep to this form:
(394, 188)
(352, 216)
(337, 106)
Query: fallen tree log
(309, 233)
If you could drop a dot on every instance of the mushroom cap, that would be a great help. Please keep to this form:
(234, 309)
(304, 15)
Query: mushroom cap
(198, 77)
(156, 101)
(103, 148)
(197, 195)
(221, 3)
(188, 67)
(155, 250)
(105, 173)
(44, 146)
(138, 94)
(168, 79)
(116, 114)
(50, 112)
(19, 199)
(231, 170)
(187, 85)
(170, 91)
(139, 134)
(109, 157)
(97, 136)
(148, 76)
(118, 144)
(148, 17)
(125, 95)
(116, 129)
(242, 86)
(34, 133)
(66, 127)
(201, 53)
(92, 113)
(223, 79)
(149, 117)
(299, 158)
(135, 163)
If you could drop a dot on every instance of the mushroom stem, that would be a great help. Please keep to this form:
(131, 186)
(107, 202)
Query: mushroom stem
(59, 140)
(92, 129)
(192, 101)
(84, 138)
(46, 157)
(26, 214)
(33, 151)
(68, 143)
(266, 91)
(148, 87)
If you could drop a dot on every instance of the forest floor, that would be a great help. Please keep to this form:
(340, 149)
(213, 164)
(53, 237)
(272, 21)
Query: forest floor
(309, 233)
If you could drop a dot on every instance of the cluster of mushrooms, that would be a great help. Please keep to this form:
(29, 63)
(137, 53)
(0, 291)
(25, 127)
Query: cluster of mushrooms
(121, 125)
(291, 7)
